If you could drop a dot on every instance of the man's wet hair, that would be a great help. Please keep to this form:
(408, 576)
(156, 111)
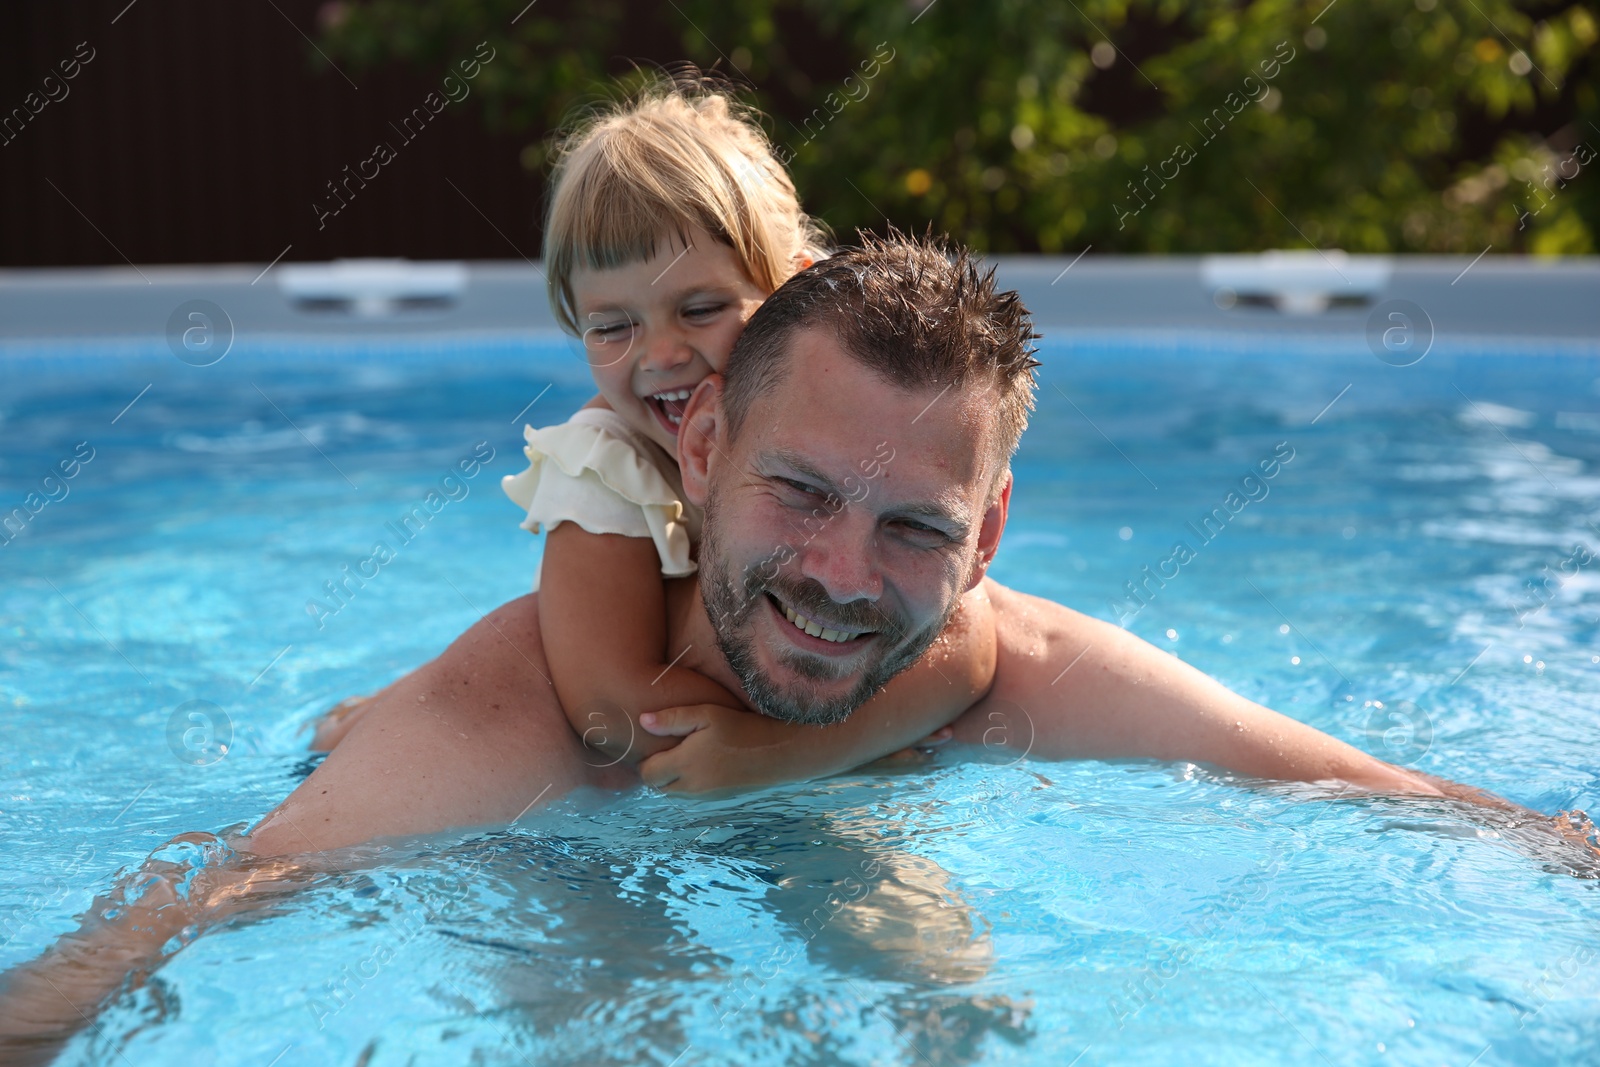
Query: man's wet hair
(917, 311)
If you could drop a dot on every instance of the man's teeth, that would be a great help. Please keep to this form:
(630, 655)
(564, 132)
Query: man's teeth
(815, 630)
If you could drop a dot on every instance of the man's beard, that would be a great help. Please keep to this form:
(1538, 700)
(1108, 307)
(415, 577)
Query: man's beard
(732, 604)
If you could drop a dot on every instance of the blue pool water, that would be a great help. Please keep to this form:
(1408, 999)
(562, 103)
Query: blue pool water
(1378, 587)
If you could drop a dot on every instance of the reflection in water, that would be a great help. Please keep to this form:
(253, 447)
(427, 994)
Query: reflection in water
(893, 918)
(595, 951)
(570, 954)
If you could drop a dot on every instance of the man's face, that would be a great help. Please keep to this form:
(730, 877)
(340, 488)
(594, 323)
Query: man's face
(842, 526)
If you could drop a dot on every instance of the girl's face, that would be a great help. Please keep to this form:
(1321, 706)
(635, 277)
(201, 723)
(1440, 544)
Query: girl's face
(653, 330)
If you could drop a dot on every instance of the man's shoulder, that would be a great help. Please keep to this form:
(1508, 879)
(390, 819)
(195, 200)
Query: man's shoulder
(1039, 643)
(1062, 680)
(1031, 630)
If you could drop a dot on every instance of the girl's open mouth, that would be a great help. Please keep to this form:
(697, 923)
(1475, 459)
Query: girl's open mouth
(668, 407)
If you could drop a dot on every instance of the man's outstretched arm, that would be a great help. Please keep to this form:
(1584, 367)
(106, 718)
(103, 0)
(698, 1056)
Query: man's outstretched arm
(474, 738)
(1079, 688)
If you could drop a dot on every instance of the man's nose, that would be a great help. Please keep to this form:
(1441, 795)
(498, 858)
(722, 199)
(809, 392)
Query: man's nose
(838, 554)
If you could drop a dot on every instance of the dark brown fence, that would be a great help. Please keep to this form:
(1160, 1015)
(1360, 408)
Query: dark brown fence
(194, 131)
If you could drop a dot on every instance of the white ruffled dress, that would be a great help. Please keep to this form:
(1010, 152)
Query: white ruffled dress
(599, 472)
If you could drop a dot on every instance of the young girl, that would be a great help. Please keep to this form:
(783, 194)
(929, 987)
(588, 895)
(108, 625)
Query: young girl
(669, 223)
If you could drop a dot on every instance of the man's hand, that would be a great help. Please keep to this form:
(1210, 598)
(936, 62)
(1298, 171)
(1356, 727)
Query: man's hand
(191, 883)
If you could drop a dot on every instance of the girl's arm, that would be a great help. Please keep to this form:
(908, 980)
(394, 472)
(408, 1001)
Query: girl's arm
(603, 614)
(726, 752)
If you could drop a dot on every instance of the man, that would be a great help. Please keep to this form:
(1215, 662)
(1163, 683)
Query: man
(894, 350)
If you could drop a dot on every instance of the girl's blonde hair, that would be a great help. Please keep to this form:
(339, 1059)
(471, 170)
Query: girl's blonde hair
(681, 153)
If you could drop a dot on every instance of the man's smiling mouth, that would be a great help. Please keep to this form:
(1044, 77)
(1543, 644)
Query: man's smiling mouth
(815, 628)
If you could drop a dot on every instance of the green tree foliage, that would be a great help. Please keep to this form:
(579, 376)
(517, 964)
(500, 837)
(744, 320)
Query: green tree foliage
(1128, 125)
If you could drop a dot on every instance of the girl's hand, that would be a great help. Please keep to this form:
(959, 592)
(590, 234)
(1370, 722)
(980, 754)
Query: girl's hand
(916, 755)
(724, 750)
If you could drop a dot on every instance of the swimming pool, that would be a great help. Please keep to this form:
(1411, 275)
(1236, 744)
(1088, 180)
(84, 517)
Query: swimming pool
(1376, 586)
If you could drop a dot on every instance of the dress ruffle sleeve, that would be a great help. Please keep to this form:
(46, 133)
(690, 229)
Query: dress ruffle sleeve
(583, 471)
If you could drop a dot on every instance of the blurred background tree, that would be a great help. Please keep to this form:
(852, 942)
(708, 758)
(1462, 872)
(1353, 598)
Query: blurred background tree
(1442, 126)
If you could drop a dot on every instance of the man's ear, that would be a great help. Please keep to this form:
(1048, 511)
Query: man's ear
(700, 438)
(994, 524)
